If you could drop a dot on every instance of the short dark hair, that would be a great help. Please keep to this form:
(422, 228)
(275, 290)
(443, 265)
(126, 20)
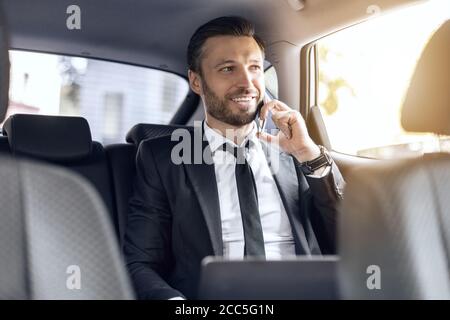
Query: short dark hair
(223, 26)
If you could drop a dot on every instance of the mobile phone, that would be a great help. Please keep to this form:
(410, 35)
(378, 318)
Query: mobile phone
(261, 124)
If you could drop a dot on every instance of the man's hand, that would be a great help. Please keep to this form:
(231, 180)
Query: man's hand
(293, 137)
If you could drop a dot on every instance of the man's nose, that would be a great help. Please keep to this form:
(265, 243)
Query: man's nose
(245, 79)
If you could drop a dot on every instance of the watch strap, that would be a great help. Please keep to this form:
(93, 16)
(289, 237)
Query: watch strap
(324, 159)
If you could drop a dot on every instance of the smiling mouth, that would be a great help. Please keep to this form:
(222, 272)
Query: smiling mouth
(244, 100)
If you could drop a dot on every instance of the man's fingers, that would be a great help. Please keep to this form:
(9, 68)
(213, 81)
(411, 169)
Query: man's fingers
(265, 110)
(281, 116)
(284, 120)
(274, 106)
(287, 130)
(267, 137)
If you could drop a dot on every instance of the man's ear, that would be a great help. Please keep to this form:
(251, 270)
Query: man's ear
(195, 82)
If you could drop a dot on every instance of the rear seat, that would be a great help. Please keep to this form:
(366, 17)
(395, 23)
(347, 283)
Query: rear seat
(122, 165)
(4, 146)
(67, 141)
(144, 131)
(121, 159)
(64, 141)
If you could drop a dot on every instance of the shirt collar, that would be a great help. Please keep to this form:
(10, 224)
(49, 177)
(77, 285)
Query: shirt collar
(216, 140)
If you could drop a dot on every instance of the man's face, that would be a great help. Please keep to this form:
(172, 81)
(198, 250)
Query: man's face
(231, 83)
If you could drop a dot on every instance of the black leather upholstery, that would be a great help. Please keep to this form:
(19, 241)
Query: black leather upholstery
(95, 169)
(144, 131)
(56, 139)
(122, 167)
(187, 108)
(121, 158)
(4, 146)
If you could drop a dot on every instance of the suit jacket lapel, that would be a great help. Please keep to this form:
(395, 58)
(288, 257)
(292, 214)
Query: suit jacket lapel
(283, 171)
(203, 178)
(285, 176)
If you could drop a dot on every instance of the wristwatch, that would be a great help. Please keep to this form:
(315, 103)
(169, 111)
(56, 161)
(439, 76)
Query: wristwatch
(308, 167)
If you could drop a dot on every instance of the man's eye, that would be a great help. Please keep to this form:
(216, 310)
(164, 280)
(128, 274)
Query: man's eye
(227, 69)
(255, 67)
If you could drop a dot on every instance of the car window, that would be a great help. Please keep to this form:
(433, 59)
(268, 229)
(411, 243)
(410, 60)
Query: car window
(111, 96)
(271, 81)
(364, 72)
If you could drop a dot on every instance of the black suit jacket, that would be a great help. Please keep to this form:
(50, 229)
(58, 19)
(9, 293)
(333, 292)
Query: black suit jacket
(174, 220)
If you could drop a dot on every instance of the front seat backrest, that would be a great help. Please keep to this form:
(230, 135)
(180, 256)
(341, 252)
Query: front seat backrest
(395, 228)
(55, 238)
(65, 141)
(394, 231)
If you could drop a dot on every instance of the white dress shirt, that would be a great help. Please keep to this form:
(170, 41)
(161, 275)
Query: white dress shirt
(278, 239)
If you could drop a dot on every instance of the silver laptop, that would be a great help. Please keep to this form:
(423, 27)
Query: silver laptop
(291, 279)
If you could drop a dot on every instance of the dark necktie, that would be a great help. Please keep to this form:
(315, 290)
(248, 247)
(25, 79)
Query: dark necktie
(248, 202)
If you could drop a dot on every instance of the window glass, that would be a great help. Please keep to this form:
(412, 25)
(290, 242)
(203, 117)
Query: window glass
(271, 81)
(364, 72)
(111, 96)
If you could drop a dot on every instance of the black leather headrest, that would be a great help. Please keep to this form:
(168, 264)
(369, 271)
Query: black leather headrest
(4, 66)
(52, 138)
(427, 103)
(144, 131)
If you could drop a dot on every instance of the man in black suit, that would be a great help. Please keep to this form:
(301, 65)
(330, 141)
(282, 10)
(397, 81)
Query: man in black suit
(228, 189)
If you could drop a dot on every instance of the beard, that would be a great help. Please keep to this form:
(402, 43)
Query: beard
(221, 109)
